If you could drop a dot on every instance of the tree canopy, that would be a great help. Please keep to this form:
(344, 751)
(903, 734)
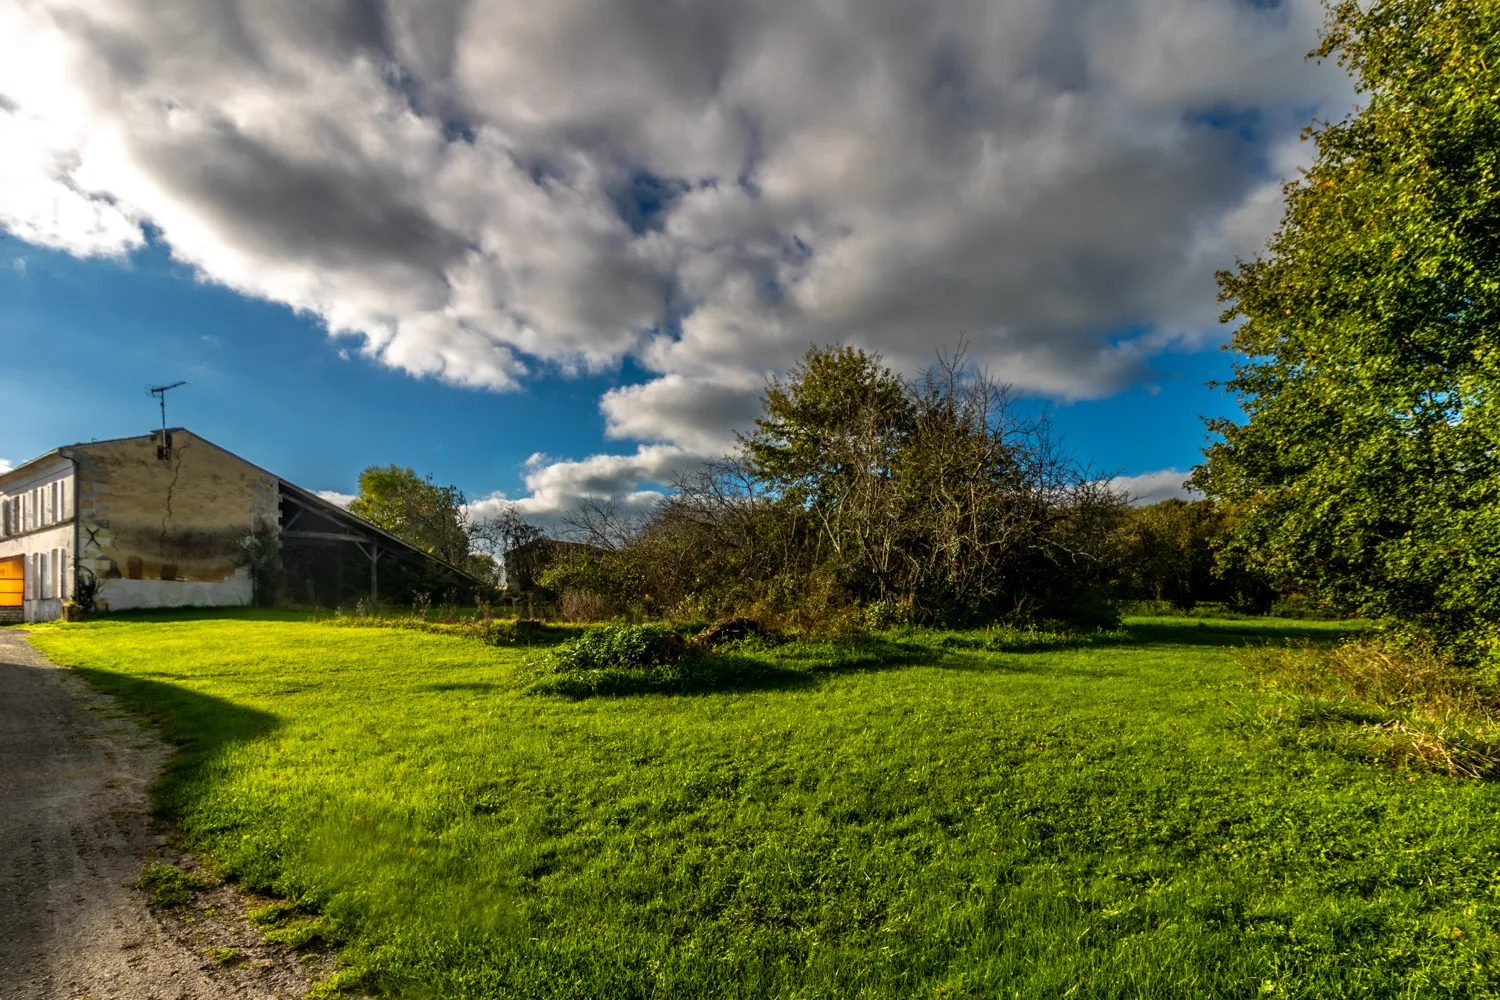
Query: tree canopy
(1367, 468)
(932, 499)
(432, 518)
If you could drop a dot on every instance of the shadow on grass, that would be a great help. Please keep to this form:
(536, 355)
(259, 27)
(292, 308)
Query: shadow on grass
(804, 664)
(199, 725)
(1230, 633)
(479, 687)
(168, 615)
(710, 674)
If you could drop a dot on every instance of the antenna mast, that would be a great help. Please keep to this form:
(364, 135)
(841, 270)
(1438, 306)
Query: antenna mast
(160, 392)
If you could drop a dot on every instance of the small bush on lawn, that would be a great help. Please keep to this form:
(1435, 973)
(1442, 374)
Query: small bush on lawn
(652, 644)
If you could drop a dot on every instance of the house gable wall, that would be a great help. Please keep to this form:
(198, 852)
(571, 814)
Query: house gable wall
(168, 531)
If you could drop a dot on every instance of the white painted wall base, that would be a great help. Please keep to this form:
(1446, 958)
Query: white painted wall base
(122, 595)
(45, 610)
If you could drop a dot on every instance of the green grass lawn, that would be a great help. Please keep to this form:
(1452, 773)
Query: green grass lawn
(911, 819)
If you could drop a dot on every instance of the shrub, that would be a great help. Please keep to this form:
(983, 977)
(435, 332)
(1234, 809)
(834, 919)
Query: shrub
(585, 606)
(629, 646)
(727, 631)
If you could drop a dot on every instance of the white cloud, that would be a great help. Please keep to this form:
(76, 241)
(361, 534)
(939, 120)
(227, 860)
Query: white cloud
(1154, 487)
(554, 486)
(5, 466)
(698, 414)
(471, 189)
(336, 498)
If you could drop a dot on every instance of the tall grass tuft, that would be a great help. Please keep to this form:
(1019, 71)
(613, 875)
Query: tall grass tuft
(1401, 704)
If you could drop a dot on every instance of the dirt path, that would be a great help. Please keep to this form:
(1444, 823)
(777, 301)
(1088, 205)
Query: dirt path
(74, 837)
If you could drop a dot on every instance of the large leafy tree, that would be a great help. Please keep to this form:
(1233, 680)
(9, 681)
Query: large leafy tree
(1367, 468)
(415, 510)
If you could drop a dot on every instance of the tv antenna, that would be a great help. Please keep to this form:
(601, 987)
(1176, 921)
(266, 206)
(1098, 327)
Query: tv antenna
(160, 392)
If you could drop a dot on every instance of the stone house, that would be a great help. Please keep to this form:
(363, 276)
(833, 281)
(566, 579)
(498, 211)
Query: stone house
(170, 519)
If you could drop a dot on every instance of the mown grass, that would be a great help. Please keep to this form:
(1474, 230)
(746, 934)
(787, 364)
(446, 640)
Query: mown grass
(919, 815)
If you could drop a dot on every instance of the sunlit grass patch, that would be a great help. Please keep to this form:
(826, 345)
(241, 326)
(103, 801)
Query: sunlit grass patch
(889, 816)
(169, 886)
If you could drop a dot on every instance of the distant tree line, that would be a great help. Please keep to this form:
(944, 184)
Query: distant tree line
(860, 493)
(859, 496)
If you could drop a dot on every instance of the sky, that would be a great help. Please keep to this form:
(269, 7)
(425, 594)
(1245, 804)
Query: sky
(553, 251)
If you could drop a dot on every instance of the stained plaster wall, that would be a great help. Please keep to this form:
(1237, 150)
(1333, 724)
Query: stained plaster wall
(168, 533)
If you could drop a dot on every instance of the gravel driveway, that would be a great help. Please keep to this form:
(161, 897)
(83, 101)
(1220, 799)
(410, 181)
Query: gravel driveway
(74, 836)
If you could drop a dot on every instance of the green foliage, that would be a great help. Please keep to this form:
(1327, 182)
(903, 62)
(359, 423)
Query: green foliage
(929, 501)
(891, 818)
(1182, 553)
(840, 415)
(652, 644)
(1368, 471)
(1167, 552)
(1399, 704)
(425, 515)
(169, 886)
(261, 550)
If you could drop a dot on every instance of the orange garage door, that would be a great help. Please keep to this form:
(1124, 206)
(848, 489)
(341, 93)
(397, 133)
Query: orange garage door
(11, 571)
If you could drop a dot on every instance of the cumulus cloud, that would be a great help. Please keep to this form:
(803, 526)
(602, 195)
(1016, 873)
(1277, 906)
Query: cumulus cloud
(472, 189)
(1154, 487)
(5, 466)
(336, 498)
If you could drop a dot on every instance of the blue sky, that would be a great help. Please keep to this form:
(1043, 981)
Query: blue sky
(85, 337)
(563, 246)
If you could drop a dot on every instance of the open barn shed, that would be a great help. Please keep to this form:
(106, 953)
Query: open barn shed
(170, 519)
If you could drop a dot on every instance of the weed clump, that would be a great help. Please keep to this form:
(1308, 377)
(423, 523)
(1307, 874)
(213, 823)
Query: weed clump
(1032, 638)
(289, 925)
(730, 630)
(170, 887)
(651, 644)
(1402, 705)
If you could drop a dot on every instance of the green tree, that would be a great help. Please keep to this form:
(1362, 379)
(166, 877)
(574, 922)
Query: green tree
(432, 518)
(1366, 470)
(838, 416)
(1167, 552)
